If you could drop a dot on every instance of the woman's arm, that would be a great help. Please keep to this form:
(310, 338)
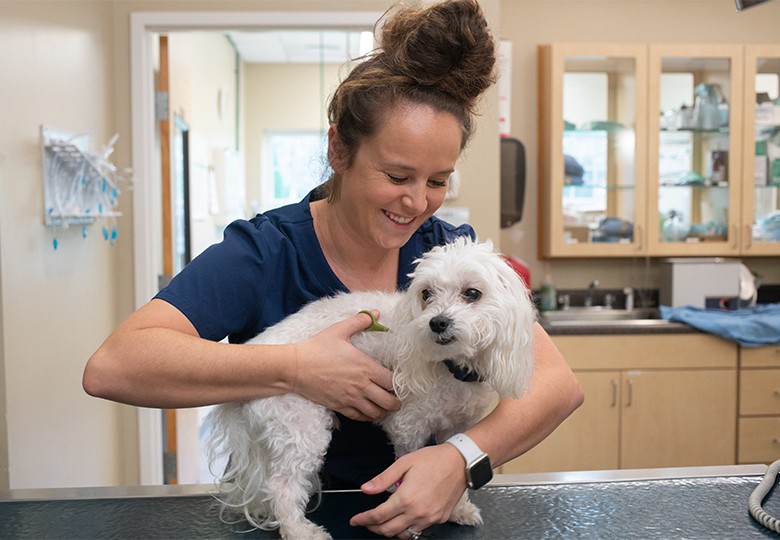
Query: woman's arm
(516, 426)
(155, 358)
(434, 478)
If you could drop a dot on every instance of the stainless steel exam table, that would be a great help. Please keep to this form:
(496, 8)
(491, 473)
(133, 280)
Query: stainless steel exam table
(702, 502)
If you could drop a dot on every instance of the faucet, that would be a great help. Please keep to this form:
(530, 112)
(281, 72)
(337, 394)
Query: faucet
(589, 293)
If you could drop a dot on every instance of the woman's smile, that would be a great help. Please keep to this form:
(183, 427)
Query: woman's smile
(400, 220)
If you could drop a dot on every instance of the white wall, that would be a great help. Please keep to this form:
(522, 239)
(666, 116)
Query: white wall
(57, 306)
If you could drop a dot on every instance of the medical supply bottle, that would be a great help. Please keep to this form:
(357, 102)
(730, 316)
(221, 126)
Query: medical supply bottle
(548, 295)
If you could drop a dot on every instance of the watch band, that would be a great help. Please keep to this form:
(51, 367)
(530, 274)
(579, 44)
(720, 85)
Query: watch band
(478, 469)
(467, 447)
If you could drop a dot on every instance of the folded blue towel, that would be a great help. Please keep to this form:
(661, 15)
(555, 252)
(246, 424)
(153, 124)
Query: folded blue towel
(754, 327)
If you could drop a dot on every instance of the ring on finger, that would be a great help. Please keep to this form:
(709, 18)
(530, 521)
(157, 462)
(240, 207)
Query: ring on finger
(413, 535)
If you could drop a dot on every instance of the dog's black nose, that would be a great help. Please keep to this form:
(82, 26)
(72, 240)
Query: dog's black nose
(439, 323)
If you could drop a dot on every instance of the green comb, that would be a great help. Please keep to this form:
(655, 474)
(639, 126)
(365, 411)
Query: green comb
(375, 326)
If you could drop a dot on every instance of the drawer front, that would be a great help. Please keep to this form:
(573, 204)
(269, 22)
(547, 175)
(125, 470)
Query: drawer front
(759, 440)
(647, 351)
(759, 391)
(760, 356)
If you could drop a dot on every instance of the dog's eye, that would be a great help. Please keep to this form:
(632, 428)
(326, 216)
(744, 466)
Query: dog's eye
(472, 295)
(427, 294)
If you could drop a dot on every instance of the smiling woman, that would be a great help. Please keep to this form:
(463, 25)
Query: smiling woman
(398, 124)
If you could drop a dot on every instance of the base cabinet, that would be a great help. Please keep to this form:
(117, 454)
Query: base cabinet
(759, 405)
(682, 412)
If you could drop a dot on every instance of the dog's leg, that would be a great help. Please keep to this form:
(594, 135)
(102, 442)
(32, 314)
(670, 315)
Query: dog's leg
(298, 454)
(466, 512)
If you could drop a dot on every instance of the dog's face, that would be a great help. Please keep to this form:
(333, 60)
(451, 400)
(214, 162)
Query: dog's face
(467, 305)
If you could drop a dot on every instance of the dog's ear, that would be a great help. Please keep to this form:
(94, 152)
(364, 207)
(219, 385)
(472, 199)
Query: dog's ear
(509, 371)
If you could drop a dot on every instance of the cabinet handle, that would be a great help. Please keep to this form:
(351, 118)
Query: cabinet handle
(614, 393)
(748, 236)
(776, 440)
(630, 393)
(735, 232)
(640, 237)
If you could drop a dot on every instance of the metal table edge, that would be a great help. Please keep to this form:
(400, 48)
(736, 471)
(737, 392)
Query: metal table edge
(499, 480)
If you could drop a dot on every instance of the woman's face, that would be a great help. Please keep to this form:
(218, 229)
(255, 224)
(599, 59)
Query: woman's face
(399, 176)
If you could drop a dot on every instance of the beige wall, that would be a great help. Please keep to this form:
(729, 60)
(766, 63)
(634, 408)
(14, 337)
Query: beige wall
(203, 68)
(286, 97)
(67, 63)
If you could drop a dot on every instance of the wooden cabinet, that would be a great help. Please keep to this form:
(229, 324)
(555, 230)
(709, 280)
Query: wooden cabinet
(694, 154)
(652, 150)
(759, 405)
(761, 153)
(650, 401)
(592, 149)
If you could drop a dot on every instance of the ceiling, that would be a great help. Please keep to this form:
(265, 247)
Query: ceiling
(300, 46)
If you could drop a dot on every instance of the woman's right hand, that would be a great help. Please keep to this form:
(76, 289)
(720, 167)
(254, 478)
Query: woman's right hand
(329, 370)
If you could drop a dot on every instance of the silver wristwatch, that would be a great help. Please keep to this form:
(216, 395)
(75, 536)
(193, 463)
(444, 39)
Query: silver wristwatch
(478, 469)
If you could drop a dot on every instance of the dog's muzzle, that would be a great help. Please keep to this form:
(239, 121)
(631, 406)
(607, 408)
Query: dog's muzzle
(440, 326)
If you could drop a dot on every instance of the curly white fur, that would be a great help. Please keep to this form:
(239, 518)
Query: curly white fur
(464, 304)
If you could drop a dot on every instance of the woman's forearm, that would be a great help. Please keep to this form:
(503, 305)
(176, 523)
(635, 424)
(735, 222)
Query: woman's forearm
(156, 359)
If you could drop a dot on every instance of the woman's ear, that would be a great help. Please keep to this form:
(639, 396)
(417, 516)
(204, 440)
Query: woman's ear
(337, 152)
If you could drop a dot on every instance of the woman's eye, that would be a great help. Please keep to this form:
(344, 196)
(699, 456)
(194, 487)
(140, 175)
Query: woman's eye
(426, 295)
(397, 179)
(438, 183)
(472, 295)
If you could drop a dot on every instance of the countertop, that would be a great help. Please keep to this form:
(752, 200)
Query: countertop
(644, 326)
(700, 502)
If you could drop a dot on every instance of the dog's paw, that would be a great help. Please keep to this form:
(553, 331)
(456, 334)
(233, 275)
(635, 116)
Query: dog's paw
(466, 513)
(304, 531)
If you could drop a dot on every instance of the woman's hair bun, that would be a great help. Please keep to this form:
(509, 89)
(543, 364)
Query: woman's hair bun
(446, 46)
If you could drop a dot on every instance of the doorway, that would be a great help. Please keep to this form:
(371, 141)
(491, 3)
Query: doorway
(147, 223)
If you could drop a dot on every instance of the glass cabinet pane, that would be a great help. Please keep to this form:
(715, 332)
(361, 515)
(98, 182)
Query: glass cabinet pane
(599, 149)
(693, 149)
(766, 176)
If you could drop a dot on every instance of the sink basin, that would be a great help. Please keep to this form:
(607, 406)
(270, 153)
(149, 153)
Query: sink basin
(600, 313)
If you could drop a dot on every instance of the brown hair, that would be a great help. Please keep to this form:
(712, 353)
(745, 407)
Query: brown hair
(441, 55)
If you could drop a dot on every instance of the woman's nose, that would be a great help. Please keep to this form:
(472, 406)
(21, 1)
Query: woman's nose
(416, 197)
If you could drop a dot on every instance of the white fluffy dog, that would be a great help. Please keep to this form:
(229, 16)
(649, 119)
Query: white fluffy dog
(464, 304)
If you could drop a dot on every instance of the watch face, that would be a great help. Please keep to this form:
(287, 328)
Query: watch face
(480, 472)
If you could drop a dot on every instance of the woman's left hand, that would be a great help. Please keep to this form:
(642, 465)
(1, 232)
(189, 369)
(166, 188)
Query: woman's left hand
(433, 480)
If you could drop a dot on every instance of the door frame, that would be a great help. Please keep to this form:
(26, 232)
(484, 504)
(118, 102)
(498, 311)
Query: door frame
(147, 223)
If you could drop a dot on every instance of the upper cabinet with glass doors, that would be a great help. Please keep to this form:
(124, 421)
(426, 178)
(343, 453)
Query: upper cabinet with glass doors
(695, 103)
(761, 148)
(592, 160)
(659, 150)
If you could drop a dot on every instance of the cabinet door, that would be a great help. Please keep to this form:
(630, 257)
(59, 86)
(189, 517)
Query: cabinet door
(593, 119)
(761, 166)
(588, 439)
(678, 418)
(694, 179)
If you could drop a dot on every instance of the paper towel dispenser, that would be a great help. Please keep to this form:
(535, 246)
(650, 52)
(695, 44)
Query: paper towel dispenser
(512, 181)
